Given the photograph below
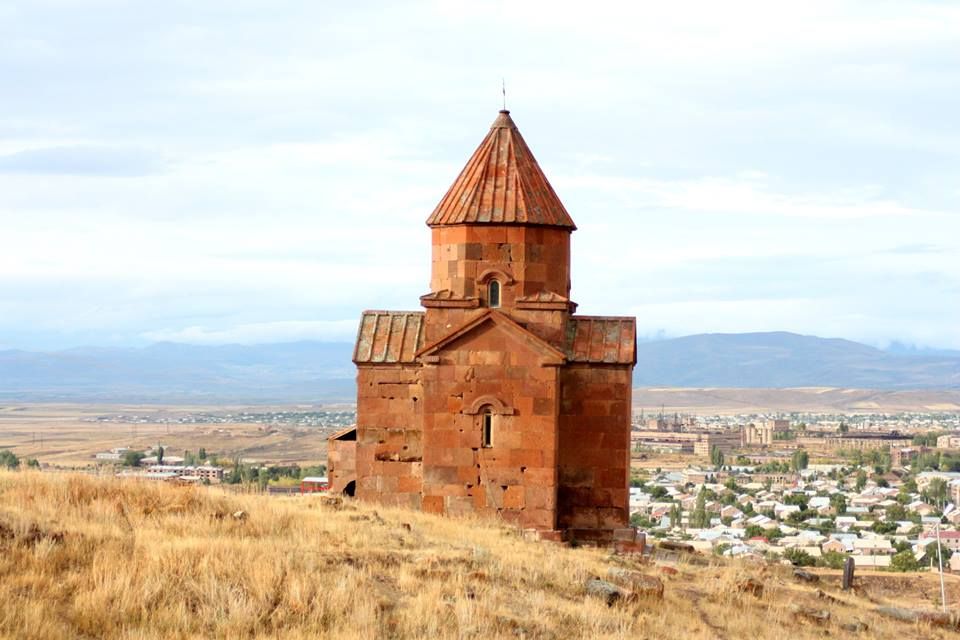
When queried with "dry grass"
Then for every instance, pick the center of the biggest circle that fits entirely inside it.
(66, 436)
(83, 557)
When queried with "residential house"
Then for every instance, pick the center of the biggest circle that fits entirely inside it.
(949, 539)
(833, 545)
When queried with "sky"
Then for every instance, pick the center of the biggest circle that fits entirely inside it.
(242, 172)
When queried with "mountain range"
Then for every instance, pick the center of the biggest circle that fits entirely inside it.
(323, 372)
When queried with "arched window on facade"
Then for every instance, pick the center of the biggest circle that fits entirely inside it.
(486, 426)
(493, 294)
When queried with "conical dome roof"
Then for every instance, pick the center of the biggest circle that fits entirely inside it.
(501, 184)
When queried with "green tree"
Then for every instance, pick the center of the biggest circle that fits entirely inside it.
(800, 460)
(716, 457)
(202, 454)
(754, 531)
(675, 516)
(799, 557)
(798, 499)
(884, 527)
(844, 428)
(839, 503)
(699, 518)
(160, 455)
(861, 480)
(904, 561)
(8, 459)
(657, 492)
(932, 553)
(901, 545)
(896, 513)
(928, 439)
(833, 560)
(936, 492)
(33, 463)
(132, 458)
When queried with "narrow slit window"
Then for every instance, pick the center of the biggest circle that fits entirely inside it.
(493, 294)
(487, 426)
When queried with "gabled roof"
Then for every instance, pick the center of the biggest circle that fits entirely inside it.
(501, 184)
(546, 300)
(388, 337)
(598, 339)
(447, 298)
(550, 354)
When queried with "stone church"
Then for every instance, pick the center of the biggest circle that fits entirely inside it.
(497, 398)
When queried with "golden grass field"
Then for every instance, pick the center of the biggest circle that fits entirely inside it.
(66, 435)
(87, 557)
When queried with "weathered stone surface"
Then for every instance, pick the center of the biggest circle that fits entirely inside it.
(805, 576)
(826, 596)
(639, 583)
(672, 545)
(816, 616)
(606, 591)
(855, 626)
(848, 571)
(936, 618)
(630, 548)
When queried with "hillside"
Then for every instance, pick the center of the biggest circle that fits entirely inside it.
(323, 372)
(780, 359)
(82, 557)
(305, 371)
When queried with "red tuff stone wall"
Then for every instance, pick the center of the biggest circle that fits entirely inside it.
(594, 448)
(341, 463)
(538, 259)
(516, 477)
(389, 436)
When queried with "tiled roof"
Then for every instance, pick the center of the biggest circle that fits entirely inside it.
(543, 296)
(602, 339)
(388, 337)
(501, 184)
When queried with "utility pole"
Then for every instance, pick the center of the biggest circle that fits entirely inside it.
(943, 591)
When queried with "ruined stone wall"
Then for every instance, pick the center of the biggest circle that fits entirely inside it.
(389, 435)
(594, 448)
(341, 463)
(516, 476)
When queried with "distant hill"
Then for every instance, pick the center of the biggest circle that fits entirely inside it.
(780, 359)
(170, 372)
(318, 371)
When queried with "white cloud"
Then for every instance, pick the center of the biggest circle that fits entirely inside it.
(261, 333)
(303, 146)
(745, 194)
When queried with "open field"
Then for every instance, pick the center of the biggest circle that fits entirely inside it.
(69, 435)
(85, 557)
(720, 401)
